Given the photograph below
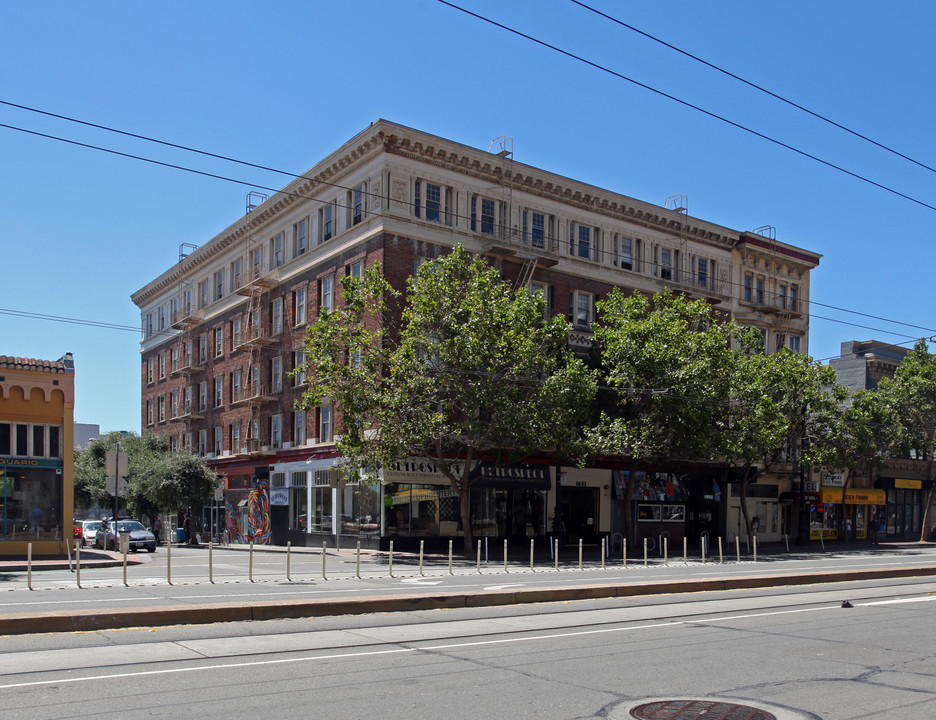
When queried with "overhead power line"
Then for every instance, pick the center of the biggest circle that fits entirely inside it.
(760, 88)
(687, 104)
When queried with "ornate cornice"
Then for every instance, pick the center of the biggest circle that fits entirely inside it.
(530, 180)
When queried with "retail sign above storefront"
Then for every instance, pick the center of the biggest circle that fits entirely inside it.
(418, 470)
(854, 496)
(29, 462)
(833, 480)
(908, 484)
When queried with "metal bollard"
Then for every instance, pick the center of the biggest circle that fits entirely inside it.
(250, 563)
(358, 566)
(391, 558)
(665, 551)
(505, 556)
(531, 556)
(288, 557)
(721, 552)
(169, 561)
(124, 543)
(602, 555)
(421, 542)
(556, 554)
(211, 562)
(580, 553)
(624, 551)
(78, 565)
(324, 555)
(645, 552)
(29, 566)
(451, 572)
(755, 548)
(479, 556)
(685, 551)
(737, 544)
(702, 541)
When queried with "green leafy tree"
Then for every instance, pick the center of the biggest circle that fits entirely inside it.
(158, 479)
(911, 396)
(776, 401)
(669, 361)
(474, 371)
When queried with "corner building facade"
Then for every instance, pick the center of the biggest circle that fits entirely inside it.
(223, 329)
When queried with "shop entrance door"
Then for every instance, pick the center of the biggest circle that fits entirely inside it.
(580, 511)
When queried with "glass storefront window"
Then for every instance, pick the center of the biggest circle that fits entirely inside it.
(30, 504)
(360, 509)
(320, 519)
(298, 509)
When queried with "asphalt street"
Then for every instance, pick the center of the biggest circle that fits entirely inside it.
(792, 652)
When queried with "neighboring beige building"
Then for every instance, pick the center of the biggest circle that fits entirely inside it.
(223, 327)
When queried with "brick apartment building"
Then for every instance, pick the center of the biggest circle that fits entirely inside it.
(223, 329)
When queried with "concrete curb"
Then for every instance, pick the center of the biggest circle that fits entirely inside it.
(85, 620)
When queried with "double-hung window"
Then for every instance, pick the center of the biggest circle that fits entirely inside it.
(326, 222)
(299, 306)
(794, 341)
(299, 428)
(325, 423)
(299, 375)
(276, 316)
(432, 201)
(218, 284)
(759, 291)
(537, 227)
(665, 260)
(202, 294)
(237, 268)
(276, 431)
(702, 270)
(219, 340)
(218, 391)
(276, 251)
(235, 437)
(582, 239)
(327, 293)
(202, 396)
(276, 366)
(483, 216)
(300, 237)
(581, 308)
(357, 204)
(162, 408)
(162, 366)
(218, 440)
(627, 253)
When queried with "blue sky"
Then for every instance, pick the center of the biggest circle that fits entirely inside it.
(283, 84)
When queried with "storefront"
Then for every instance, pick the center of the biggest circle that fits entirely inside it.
(903, 513)
(506, 502)
(834, 513)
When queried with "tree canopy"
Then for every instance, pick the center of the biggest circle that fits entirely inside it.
(473, 371)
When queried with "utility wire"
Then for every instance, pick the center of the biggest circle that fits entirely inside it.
(554, 241)
(687, 104)
(755, 86)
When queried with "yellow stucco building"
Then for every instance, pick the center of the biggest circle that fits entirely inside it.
(37, 404)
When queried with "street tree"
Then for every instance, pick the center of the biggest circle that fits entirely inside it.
(158, 479)
(668, 360)
(911, 395)
(472, 372)
(776, 401)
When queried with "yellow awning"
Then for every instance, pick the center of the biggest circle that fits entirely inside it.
(853, 496)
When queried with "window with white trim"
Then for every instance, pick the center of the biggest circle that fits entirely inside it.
(218, 284)
(203, 395)
(299, 305)
(150, 370)
(235, 437)
(795, 342)
(276, 251)
(583, 241)
(299, 427)
(237, 269)
(202, 442)
(357, 204)
(299, 376)
(276, 316)
(276, 373)
(327, 293)
(218, 440)
(149, 411)
(581, 309)
(326, 215)
(161, 402)
(537, 228)
(276, 431)
(202, 294)
(300, 237)
(174, 405)
(236, 332)
(219, 340)
(545, 292)
(203, 348)
(325, 423)
(187, 441)
(627, 253)
(218, 391)
(665, 262)
(483, 214)
(432, 202)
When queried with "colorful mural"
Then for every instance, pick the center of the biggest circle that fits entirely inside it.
(259, 529)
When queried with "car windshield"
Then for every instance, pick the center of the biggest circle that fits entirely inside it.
(92, 526)
(129, 526)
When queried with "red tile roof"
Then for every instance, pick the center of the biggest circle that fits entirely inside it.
(18, 363)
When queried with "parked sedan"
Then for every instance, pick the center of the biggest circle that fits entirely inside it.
(139, 537)
(87, 531)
